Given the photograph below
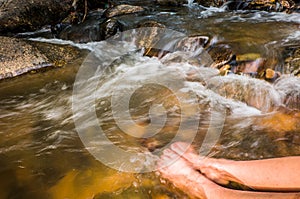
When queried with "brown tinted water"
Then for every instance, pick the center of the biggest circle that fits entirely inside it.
(42, 155)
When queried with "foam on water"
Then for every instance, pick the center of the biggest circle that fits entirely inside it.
(211, 11)
(294, 36)
(262, 16)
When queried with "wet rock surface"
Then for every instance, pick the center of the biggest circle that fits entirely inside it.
(19, 56)
(99, 24)
(221, 54)
(122, 10)
(292, 62)
(266, 5)
(270, 5)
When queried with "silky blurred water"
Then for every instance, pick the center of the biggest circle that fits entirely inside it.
(42, 156)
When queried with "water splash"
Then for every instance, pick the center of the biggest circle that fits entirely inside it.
(190, 3)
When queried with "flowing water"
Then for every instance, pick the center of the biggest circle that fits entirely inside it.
(45, 154)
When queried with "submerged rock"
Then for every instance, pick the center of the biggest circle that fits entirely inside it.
(19, 56)
(256, 93)
(24, 15)
(94, 180)
(289, 88)
(248, 67)
(193, 43)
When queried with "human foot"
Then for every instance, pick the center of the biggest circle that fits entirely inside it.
(212, 168)
(181, 173)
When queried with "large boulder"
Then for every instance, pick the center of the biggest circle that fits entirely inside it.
(122, 10)
(19, 56)
(30, 15)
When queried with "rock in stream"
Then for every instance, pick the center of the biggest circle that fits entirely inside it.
(18, 56)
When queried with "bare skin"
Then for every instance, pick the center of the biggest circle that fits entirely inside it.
(276, 174)
(184, 174)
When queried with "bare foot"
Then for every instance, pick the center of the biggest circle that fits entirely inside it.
(210, 167)
(181, 173)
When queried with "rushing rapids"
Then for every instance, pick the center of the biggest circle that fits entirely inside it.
(42, 154)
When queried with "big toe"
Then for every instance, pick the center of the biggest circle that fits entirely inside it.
(170, 163)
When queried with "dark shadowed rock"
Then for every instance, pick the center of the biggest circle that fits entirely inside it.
(221, 54)
(30, 15)
(215, 3)
(19, 56)
(91, 4)
(132, 2)
(172, 2)
(205, 3)
(109, 28)
(87, 31)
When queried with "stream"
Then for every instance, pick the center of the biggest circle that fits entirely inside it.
(50, 122)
